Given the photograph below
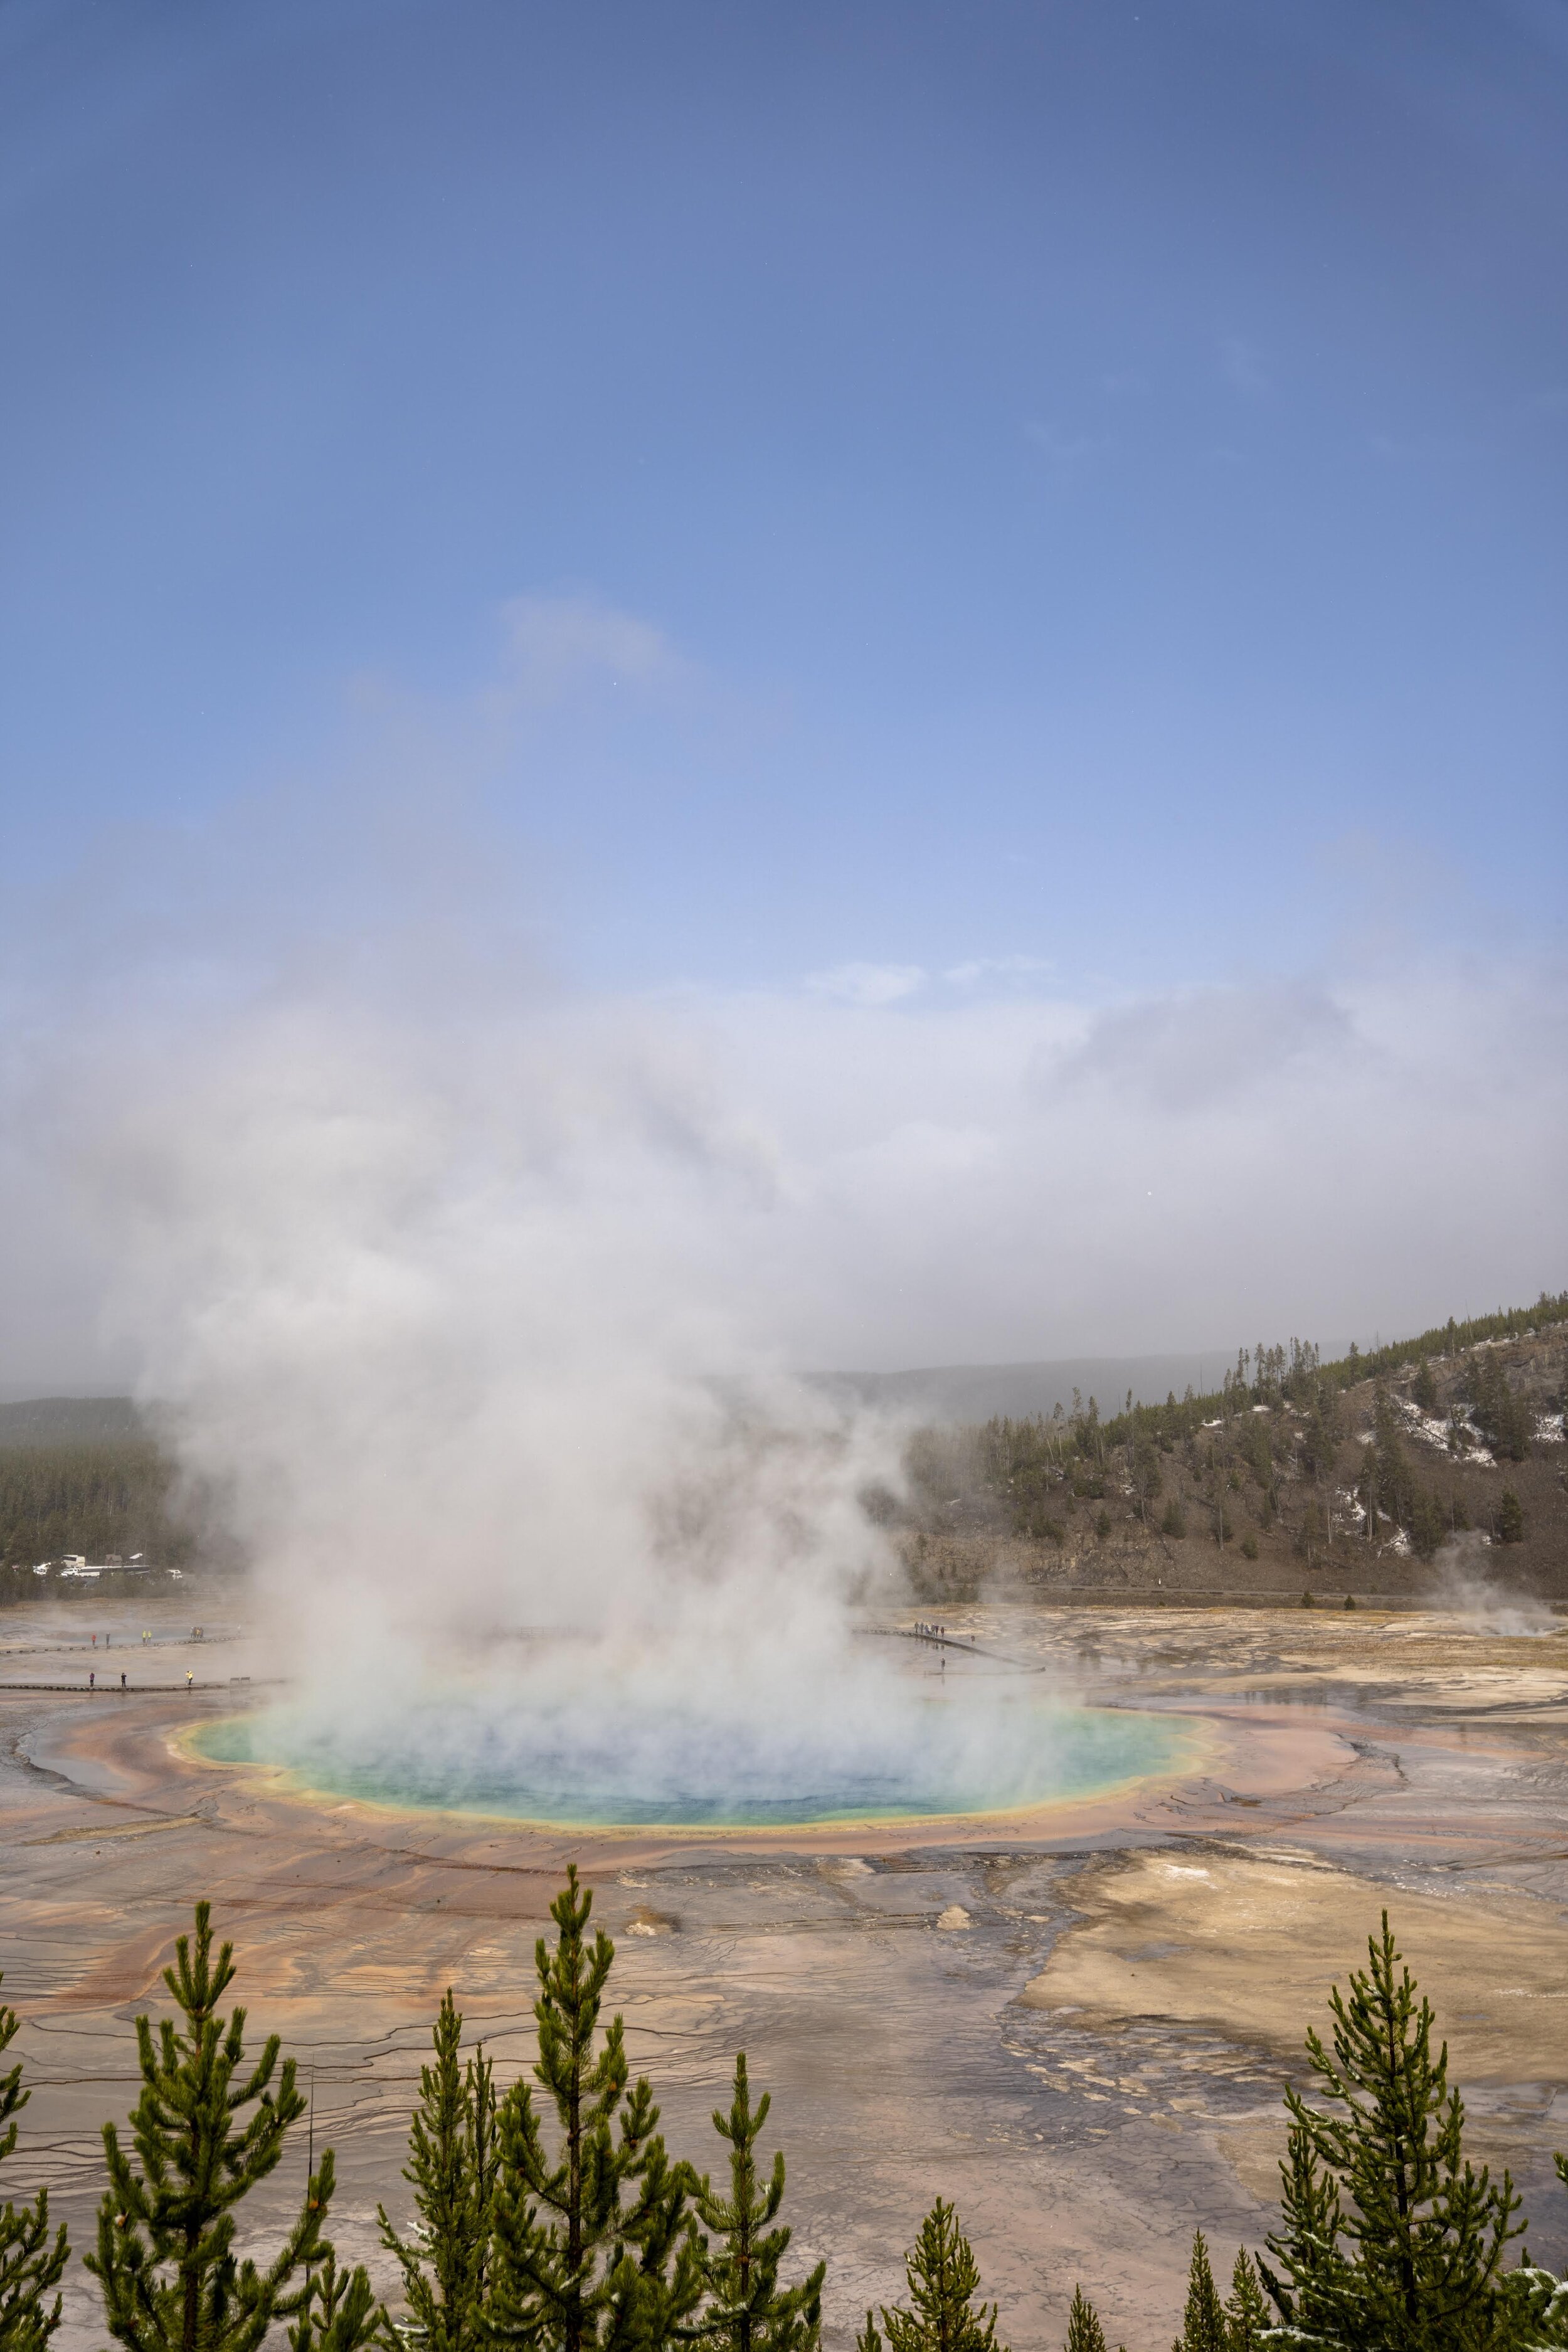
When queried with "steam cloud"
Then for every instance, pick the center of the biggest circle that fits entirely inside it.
(443, 1305)
(479, 1300)
(435, 1303)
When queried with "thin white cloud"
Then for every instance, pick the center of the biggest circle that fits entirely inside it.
(999, 1178)
(557, 647)
(981, 968)
(867, 984)
(1065, 450)
(1188, 1050)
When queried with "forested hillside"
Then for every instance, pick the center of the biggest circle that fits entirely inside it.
(103, 1499)
(1370, 1473)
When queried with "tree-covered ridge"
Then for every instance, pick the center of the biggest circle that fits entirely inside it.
(114, 1496)
(1371, 1450)
(1293, 1372)
(1451, 1338)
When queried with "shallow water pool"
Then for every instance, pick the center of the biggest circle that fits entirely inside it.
(620, 1763)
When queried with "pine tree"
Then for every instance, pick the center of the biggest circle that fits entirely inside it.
(1319, 1448)
(170, 2279)
(1503, 1417)
(1509, 1518)
(1390, 1471)
(747, 2308)
(1247, 2313)
(451, 2167)
(596, 2248)
(1203, 2325)
(31, 2262)
(1549, 2294)
(943, 2279)
(1085, 2333)
(1308, 2246)
(1366, 1487)
(1427, 1523)
(1389, 2237)
(339, 2311)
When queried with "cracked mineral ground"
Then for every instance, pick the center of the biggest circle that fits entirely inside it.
(1076, 2024)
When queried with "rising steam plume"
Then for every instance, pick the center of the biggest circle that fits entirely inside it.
(476, 1299)
(440, 1303)
(433, 1303)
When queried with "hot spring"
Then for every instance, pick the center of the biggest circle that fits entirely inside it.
(872, 1749)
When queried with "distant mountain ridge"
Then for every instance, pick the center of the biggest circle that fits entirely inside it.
(968, 1392)
(938, 1393)
(933, 1392)
(70, 1420)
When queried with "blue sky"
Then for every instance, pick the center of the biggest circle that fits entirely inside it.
(890, 677)
(1091, 478)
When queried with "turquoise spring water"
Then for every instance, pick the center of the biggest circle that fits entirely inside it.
(645, 1766)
